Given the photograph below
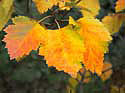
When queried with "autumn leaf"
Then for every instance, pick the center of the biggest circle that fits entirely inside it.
(89, 8)
(96, 38)
(44, 5)
(120, 5)
(64, 50)
(107, 71)
(22, 37)
(113, 22)
(6, 8)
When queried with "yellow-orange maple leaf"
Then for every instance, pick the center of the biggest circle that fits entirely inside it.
(22, 37)
(6, 8)
(44, 5)
(120, 5)
(64, 50)
(113, 22)
(96, 38)
(89, 8)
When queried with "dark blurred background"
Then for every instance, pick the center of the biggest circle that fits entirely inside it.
(32, 75)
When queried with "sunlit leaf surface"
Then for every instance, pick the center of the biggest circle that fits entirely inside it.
(96, 38)
(89, 8)
(64, 50)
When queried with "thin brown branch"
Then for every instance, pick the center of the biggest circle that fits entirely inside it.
(57, 24)
(43, 19)
(78, 1)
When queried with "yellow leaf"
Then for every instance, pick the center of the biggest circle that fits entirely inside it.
(64, 50)
(113, 22)
(120, 5)
(6, 8)
(23, 37)
(89, 8)
(44, 5)
(106, 75)
(96, 38)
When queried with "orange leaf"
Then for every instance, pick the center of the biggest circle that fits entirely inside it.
(120, 5)
(96, 38)
(22, 37)
(64, 50)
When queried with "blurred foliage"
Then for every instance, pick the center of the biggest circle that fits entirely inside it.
(32, 75)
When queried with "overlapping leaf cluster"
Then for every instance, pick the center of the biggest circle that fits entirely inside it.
(80, 42)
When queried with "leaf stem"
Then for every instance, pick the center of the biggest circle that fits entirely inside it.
(43, 19)
(57, 24)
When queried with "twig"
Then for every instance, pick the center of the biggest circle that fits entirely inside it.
(65, 20)
(57, 24)
(43, 19)
(78, 1)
